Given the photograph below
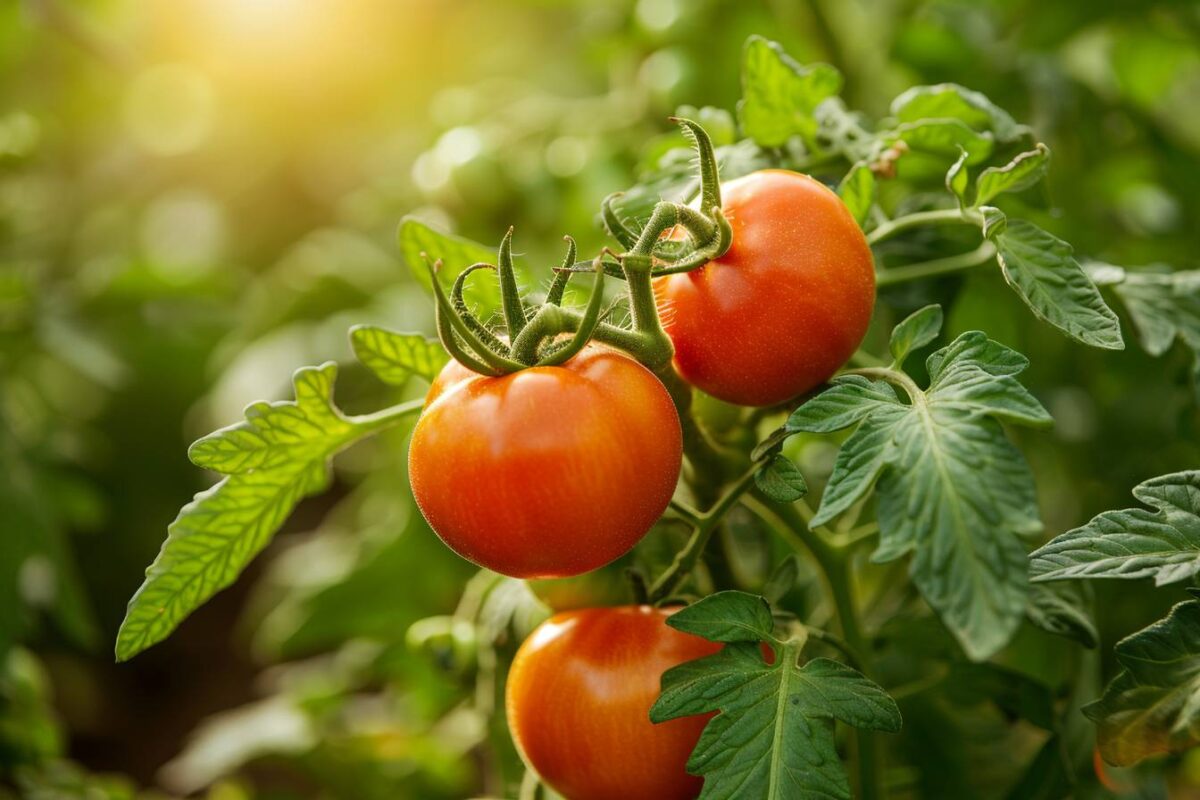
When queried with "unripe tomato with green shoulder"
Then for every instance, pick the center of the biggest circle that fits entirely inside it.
(550, 471)
(788, 303)
(578, 700)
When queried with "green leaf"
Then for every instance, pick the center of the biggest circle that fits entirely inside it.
(917, 330)
(942, 137)
(951, 488)
(1061, 609)
(951, 101)
(209, 544)
(849, 400)
(859, 462)
(1133, 543)
(995, 221)
(958, 179)
(1164, 307)
(729, 616)
(780, 480)
(956, 492)
(773, 738)
(1017, 175)
(1153, 705)
(772, 441)
(278, 434)
(782, 580)
(1041, 270)
(779, 96)
(857, 191)
(456, 254)
(395, 357)
(274, 459)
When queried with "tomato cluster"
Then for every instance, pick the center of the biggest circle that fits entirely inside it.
(557, 470)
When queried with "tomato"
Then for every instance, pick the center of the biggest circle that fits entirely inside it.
(550, 471)
(786, 306)
(578, 700)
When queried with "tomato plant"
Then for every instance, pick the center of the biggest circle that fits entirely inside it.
(845, 572)
(548, 472)
(786, 306)
(578, 702)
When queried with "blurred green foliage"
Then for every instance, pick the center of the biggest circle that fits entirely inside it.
(198, 195)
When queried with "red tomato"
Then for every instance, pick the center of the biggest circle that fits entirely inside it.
(786, 306)
(579, 696)
(550, 471)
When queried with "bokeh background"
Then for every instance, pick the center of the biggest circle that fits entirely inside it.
(198, 196)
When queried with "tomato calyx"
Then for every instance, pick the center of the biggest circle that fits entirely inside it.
(549, 334)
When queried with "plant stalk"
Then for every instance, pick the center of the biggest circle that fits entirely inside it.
(938, 266)
(792, 526)
(941, 216)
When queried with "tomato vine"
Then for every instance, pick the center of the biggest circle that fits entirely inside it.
(553, 438)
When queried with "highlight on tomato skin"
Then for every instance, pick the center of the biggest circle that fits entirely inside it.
(578, 700)
(548, 472)
(786, 306)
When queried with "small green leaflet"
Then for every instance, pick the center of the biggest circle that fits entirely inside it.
(951, 101)
(456, 254)
(958, 179)
(1165, 306)
(1134, 543)
(780, 480)
(857, 191)
(1041, 270)
(1062, 609)
(773, 736)
(275, 458)
(917, 330)
(1017, 175)
(942, 137)
(1153, 705)
(952, 489)
(395, 357)
(779, 96)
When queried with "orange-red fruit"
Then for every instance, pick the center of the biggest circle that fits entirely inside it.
(579, 696)
(550, 471)
(786, 306)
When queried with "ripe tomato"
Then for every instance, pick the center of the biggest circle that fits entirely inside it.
(786, 306)
(578, 700)
(550, 471)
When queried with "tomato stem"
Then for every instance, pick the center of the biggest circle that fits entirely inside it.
(704, 525)
(387, 417)
(529, 785)
(791, 523)
(938, 266)
(941, 216)
(894, 377)
(686, 512)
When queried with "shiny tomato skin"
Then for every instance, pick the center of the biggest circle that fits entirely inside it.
(786, 306)
(578, 701)
(550, 471)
